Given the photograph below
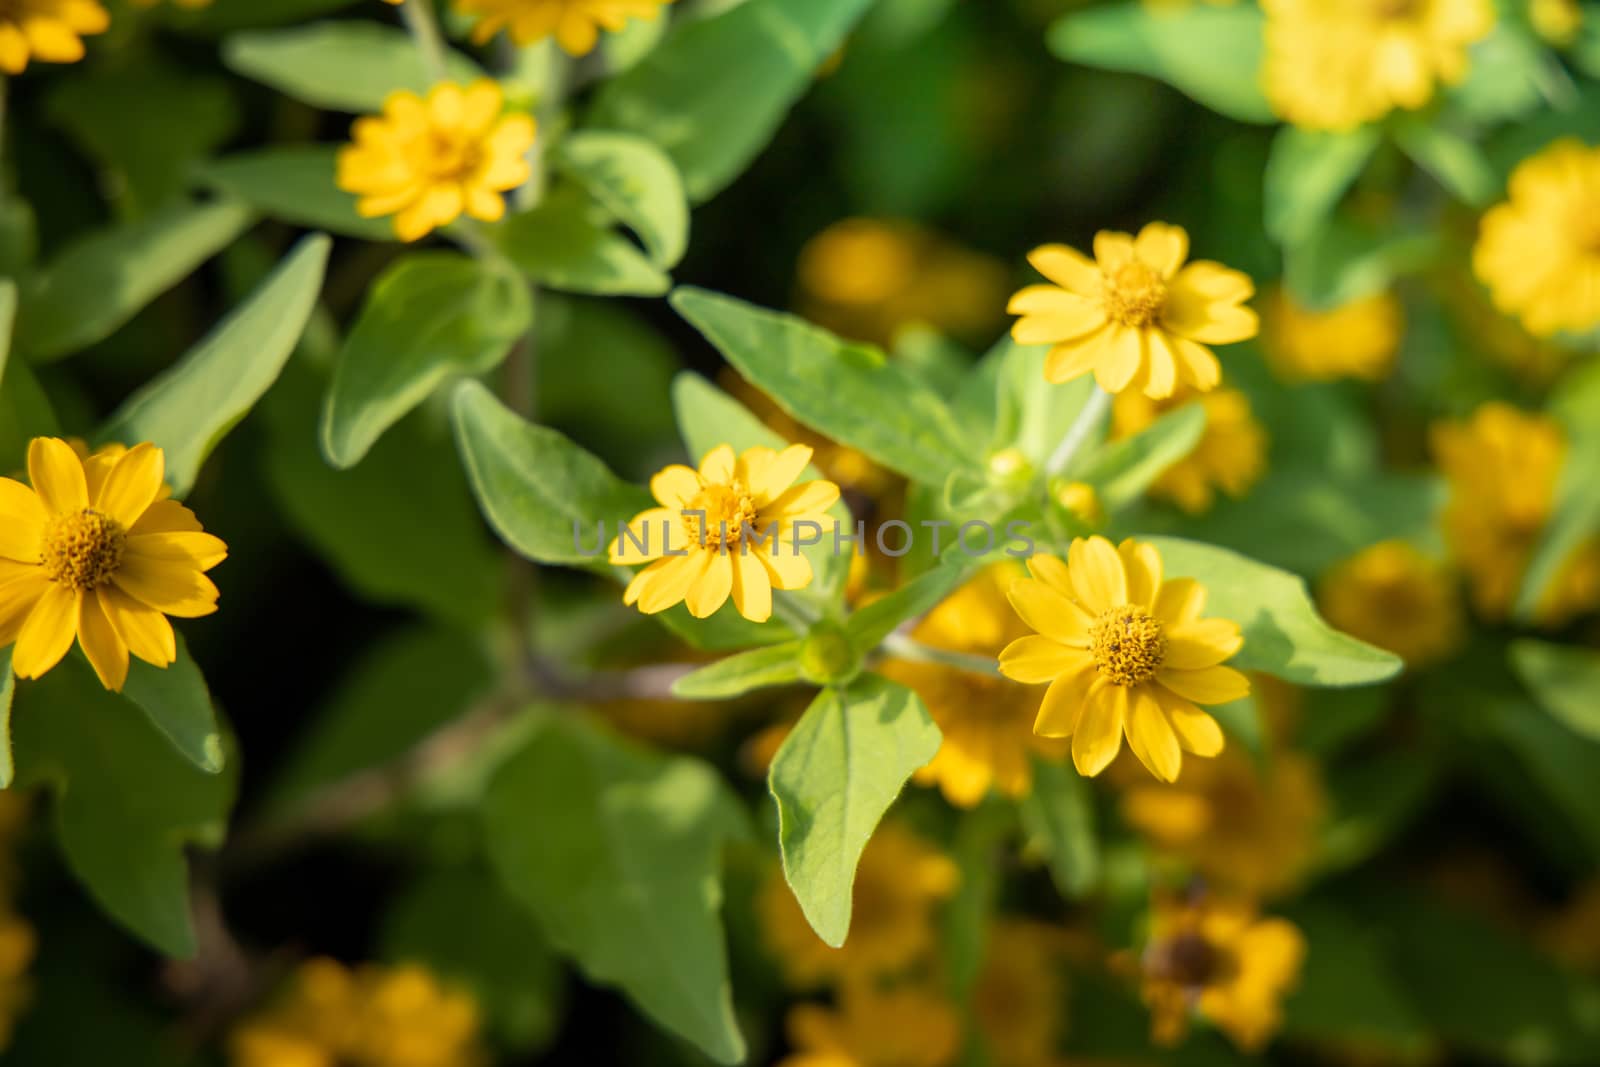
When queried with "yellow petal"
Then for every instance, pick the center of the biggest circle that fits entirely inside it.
(171, 587)
(1142, 564)
(101, 643)
(132, 485)
(1162, 377)
(1151, 736)
(675, 486)
(1197, 365)
(1209, 685)
(47, 633)
(1050, 613)
(650, 535)
(1162, 247)
(808, 499)
(57, 475)
(1073, 359)
(145, 631)
(1098, 736)
(717, 466)
(22, 519)
(1062, 708)
(710, 591)
(1180, 601)
(786, 568)
(19, 593)
(670, 581)
(200, 550)
(767, 473)
(165, 516)
(1069, 268)
(1052, 571)
(752, 587)
(1035, 659)
(1097, 574)
(1122, 359)
(1197, 731)
(1112, 250)
(1201, 643)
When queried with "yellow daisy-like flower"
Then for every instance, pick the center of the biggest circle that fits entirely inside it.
(1502, 466)
(1393, 596)
(1251, 829)
(1124, 652)
(1355, 340)
(875, 1028)
(94, 550)
(900, 882)
(575, 24)
(1539, 252)
(50, 31)
(369, 1017)
(728, 528)
(1136, 316)
(1335, 64)
(1218, 959)
(1231, 454)
(987, 722)
(1557, 21)
(427, 160)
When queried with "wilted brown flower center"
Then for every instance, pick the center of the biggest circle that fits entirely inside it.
(1127, 644)
(82, 550)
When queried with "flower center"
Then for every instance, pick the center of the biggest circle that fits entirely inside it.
(1127, 645)
(1134, 295)
(83, 549)
(1187, 959)
(1397, 10)
(725, 510)
(444, 156)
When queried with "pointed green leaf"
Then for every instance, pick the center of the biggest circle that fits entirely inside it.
(339, 66)
(1455, 162)
(429, 316)
(545, 496)
(616, 853)
(733, 676)
(847, 391)
(178, 703)
(1028, 412)
(294, 184)
(99, 282)
(1564, 680)
(833, 778)
(191, 406)
(877, 620)
(635, 181)
(1307, 175)
(1058, 817)
(1123, 469)
(566, 244)
(1283, 634)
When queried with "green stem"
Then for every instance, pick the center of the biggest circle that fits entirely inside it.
(424, 29)
(1078, 434)
(902, 647)
(797, 614)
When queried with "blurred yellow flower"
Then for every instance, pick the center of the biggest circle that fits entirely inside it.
(1230, 456)
(1124, 652)
(575, 24)
(1019, 1000)
(50, 31)
(1217, 959)
(1250, 829)
(875, 1028)
(726, 529)
(370, 1017)
(18, 944)
(1502, 466)
(95, 551)
(1355, 340)
(1539, 251)
(1557, 21)
(1335, 64)
(900, 882)
(867, 278)
(1135, 316)
(427, 160)
(1393, 596)
(191, 5)
(987, 722)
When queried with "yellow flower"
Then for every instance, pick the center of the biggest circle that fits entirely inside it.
(1557, 21)
(575, 24)
(1355, 340)
(728, 528)
(95, 551)
(425, 161)
(47, 30)
(1020, 997)
(900, 881)
(17, 946)
(1335, 64)
(190, 5)
(1502, 466)
(874, 1028)
(1230, 456)
(1123, 651)
(1393, 596)
(1539, 252)
(370, 1017)
(1248, 828)
(1136, 316)
(1218, 959)
(987, 722)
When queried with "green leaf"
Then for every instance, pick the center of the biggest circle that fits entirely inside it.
(717, 89)
(1344, 261)
(126, 803)
(1457, 163)
(1574, 518)
(339, 66)
(191, 406)
(733, 676)
(546, 497)
(428, 316)
(833, 778)
(1347, 990)
(868, 627)
(1564, 680)
(1212, 55)
(1123, 469)
(1058, 818)
(1283, 634)
(616, 853)
(99, 282)
(465, 928)
(295, 185)
(1030, 413)
(1308, 174)
(637, 183)
(178, 704)
(846, 391)
(1374, 801)
(565, 244)
(24, 410)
